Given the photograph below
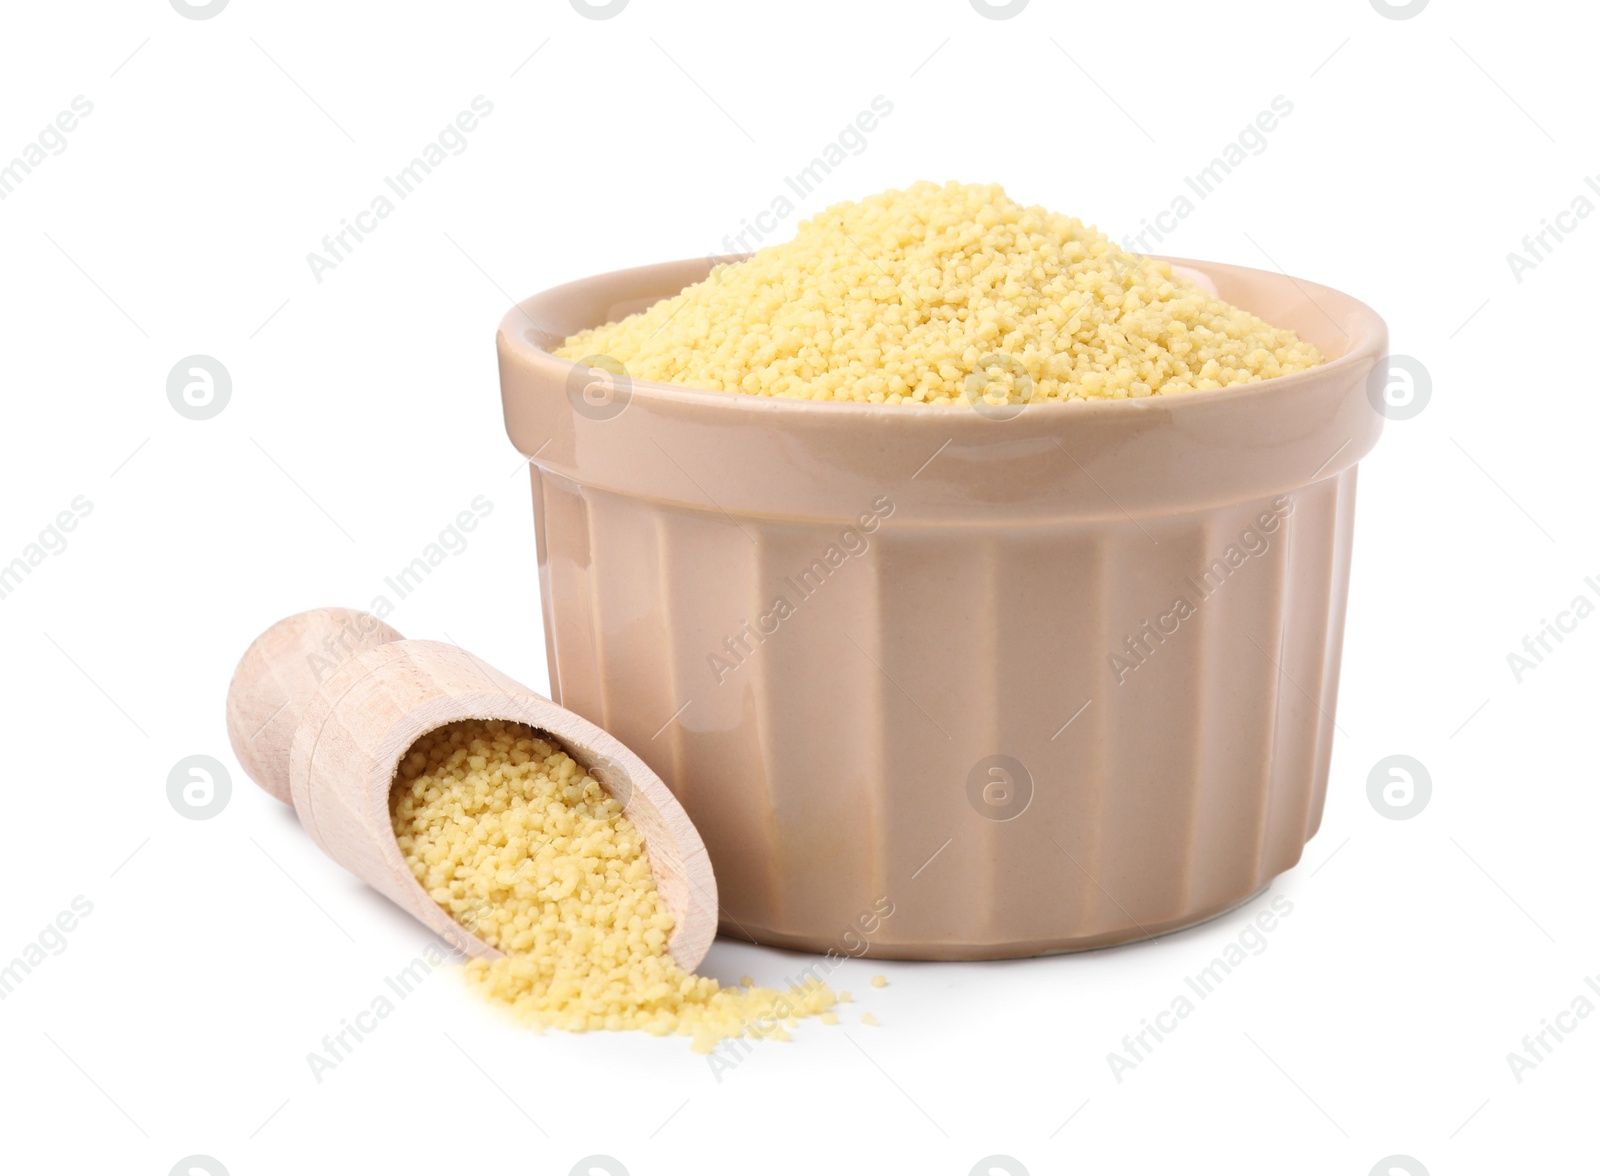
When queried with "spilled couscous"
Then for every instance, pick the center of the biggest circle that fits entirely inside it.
(945, 294)
(523, 848)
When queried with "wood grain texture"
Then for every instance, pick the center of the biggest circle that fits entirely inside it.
(351, 728)
(280, 671)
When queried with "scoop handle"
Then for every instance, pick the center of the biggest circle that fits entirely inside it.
(280, 674)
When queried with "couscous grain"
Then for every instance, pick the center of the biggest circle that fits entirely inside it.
(517, 843)
(943, 295)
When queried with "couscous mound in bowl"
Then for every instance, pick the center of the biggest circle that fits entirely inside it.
(943, 294)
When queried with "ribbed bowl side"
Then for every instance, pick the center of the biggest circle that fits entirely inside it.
(832, 704)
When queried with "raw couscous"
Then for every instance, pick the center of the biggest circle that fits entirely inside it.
(517, 843)
(942, 295)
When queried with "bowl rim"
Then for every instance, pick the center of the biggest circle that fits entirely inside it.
(1368, 336)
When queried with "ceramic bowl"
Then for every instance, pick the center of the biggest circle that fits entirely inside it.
(1033, 679)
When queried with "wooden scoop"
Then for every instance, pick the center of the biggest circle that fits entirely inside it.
(325, 703)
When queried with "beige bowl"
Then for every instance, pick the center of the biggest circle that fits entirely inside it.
(922, 660)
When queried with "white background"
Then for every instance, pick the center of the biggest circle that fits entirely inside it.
(365, 414)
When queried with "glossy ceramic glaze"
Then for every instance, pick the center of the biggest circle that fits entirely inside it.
(923, 658)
